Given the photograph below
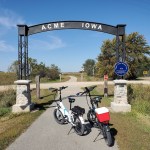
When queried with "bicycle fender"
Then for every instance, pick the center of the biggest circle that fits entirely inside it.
(107, 128)
(81, 119)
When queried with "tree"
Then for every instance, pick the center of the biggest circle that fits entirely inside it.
(53, 72)
(13, 67)
(137, 56)
(89, 66)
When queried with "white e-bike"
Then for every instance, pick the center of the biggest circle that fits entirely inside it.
(74, 116)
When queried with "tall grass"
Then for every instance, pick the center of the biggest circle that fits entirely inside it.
(7, 78)
(7, 99)
(139, 98)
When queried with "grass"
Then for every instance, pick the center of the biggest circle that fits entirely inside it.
(7, 78)
(63, 79)
(132, 133)
(12, 125)
(131, 130)
(139, 98)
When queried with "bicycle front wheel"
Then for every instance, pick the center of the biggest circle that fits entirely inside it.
(58, 116)
(79, 127)
(108, 137)
(91, 117)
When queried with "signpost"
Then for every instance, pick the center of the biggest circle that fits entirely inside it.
(105, 85)
(121, 68)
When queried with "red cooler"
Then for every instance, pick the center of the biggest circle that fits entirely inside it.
(102, 114)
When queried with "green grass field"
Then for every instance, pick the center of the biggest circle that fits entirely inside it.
(131, 130)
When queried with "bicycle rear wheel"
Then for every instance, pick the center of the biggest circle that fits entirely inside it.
(79, 128)
(58, 116)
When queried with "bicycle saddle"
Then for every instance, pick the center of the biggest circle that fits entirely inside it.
(71, 100)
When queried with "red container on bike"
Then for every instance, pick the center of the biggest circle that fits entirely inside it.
(102, 114)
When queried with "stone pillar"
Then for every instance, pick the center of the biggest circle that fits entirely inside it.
(120, 103)
(23, 97)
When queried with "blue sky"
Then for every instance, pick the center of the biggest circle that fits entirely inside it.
(68, 49)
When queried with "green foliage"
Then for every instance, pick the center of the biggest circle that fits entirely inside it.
(139, 98)
(4, 111)
(89, 66)
(7, 98)
(137, 52)
(53, 72)
(130, 93)
(36, 68)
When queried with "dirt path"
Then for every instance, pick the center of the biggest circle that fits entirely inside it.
(73, 83)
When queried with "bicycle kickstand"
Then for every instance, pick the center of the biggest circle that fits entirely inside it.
(97, 136)
(70, 130)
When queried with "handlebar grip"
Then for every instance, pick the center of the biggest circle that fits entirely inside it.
(53, 89)
(78, 94)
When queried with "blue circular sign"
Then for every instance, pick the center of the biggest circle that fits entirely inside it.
(121, 68)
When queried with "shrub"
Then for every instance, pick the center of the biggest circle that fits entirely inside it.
(7, 98)
(4, 111)
(130, 93)
(139, 98)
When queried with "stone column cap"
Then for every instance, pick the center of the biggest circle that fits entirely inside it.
(22, 82)
(121, 81)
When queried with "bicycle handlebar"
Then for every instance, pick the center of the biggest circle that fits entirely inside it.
(88, 89)
(59, 89)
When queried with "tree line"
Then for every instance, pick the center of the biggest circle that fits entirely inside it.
(137, 58)
(51, 72)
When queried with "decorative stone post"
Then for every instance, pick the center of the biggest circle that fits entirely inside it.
(120, 103)
(23, 97)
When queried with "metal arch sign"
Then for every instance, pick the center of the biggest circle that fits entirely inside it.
(84, 25)
(121, 68)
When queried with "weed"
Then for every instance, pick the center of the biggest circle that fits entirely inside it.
(7, 98)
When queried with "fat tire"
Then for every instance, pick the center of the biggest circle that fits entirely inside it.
(89, 114)
(108, 138)
(59, 119)
(79, 128)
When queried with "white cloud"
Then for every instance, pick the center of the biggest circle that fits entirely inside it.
(10, 19)
(51, 43)
(5, 47)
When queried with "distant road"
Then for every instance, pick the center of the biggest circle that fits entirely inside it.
(73, 83)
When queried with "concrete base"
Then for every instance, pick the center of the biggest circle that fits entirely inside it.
(120, 107)
(22, 108)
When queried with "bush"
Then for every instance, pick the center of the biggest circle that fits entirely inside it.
(139, 98)
(7, 98)
(130, 93)
(4, 111)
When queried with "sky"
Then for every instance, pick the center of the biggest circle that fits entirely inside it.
(69, 48)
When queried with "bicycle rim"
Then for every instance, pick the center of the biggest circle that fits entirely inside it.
(79, 127)
(58, 116)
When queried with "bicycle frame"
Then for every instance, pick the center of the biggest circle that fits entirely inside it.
(65, 112)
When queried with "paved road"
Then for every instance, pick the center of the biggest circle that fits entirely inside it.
(46, 134)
